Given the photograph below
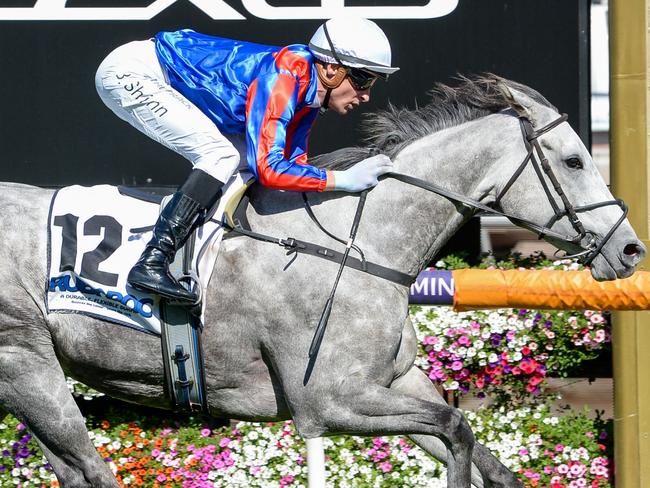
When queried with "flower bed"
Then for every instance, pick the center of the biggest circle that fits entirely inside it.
(506, 354)
(546, 450)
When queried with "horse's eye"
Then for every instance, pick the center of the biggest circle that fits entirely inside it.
(574, 163)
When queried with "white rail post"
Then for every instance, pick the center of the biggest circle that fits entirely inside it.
(315, 463)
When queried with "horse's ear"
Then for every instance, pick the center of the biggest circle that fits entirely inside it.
(519, 102)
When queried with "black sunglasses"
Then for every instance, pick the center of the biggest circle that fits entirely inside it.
(362, 79)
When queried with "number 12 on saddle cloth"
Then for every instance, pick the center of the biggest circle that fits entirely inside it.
(96, 234)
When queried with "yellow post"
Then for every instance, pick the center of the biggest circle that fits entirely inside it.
(629, 176)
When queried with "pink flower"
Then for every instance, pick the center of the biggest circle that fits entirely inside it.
(579, 483)
(386, 467)
(155, 453)
(378, 442)
(464, 340)
(577, 470)
(456, 366)
(559, 448)
(205, 432)
(161, 478)
(255, 470)
(224, 442)
(597, 319)
(562, 469)
(286, 480)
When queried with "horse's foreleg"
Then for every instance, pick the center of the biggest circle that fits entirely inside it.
(33, 388)
(369, 409)
(488, 471)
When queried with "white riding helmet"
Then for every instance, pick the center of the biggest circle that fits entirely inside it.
(357, 43)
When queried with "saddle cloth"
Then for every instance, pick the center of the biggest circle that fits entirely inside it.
(96, 234)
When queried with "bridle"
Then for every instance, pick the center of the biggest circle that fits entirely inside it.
(535, 156)
(540, 163)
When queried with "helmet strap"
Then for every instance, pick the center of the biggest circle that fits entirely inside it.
(326, 101)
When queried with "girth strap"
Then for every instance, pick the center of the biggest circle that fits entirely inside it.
(297, 246)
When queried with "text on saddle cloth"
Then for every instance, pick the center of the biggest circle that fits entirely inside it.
(96, 234)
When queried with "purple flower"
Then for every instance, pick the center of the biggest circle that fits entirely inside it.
(496, 339)
(23, 453)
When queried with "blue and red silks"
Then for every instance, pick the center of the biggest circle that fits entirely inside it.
(267, 92)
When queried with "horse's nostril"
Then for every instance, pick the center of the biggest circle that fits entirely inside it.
(632, 250)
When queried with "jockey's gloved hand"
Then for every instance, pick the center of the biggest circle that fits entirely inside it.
(362, 175)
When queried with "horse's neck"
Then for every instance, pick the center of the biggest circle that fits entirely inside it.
(410, 225)
(402, 226)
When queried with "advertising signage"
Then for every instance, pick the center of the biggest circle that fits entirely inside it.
(55, 131)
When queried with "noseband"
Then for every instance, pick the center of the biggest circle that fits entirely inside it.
(535, 156)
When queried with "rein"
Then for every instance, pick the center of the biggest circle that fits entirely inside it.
(541, 167)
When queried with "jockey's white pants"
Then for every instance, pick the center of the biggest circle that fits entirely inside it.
(131, 82)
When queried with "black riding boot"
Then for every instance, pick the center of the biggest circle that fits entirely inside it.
(177, 220)
(151, 272)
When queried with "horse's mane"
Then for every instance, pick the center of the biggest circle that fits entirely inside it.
(389, 131)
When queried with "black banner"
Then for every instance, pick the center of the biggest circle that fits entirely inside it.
(54, 129)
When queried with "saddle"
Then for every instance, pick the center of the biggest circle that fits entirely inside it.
(96, 234)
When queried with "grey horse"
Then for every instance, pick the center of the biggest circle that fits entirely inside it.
(263, 305)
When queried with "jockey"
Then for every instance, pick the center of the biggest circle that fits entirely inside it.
(211, 99)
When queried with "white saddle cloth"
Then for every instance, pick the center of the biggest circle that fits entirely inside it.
(96, 235)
